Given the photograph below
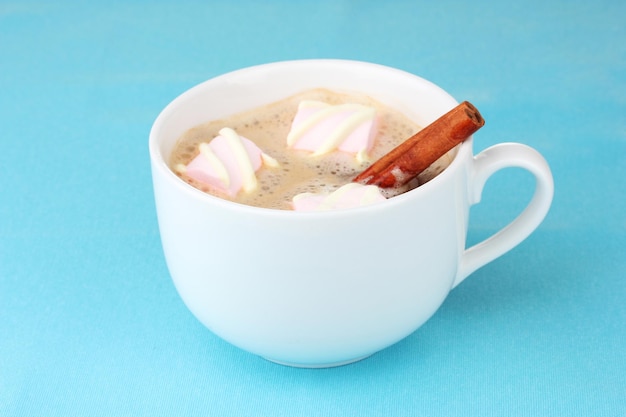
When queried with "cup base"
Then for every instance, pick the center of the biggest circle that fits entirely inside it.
(317, 365)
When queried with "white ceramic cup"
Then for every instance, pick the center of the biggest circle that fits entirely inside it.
(317, 289)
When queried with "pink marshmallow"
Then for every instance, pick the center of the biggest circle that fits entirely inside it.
(321, 128)
(348, 196)
(228, 163)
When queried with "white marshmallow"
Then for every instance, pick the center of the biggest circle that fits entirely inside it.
(321, 128)
(348, 196)
(228, 163)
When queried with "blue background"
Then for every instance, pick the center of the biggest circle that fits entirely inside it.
(90, 323)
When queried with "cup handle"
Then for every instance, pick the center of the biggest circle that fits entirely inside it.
(485, 164)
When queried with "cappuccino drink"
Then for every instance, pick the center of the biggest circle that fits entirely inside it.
(297, 171)
(330, 287)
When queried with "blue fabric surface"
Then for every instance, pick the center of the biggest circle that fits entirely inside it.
(90, 323)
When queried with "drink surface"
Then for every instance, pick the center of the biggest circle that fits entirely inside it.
(298, 171)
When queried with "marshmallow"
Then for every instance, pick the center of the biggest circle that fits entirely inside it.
(347, 196)
(228, 163)
(321, 128)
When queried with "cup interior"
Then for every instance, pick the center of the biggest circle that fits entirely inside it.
(245, 89)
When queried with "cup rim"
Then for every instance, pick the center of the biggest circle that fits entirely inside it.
(159, 163)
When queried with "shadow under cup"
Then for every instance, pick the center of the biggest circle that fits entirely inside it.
(311, 289)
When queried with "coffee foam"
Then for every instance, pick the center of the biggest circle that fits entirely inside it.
(299, 172)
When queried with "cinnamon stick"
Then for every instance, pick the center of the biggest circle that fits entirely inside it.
(417, 153)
